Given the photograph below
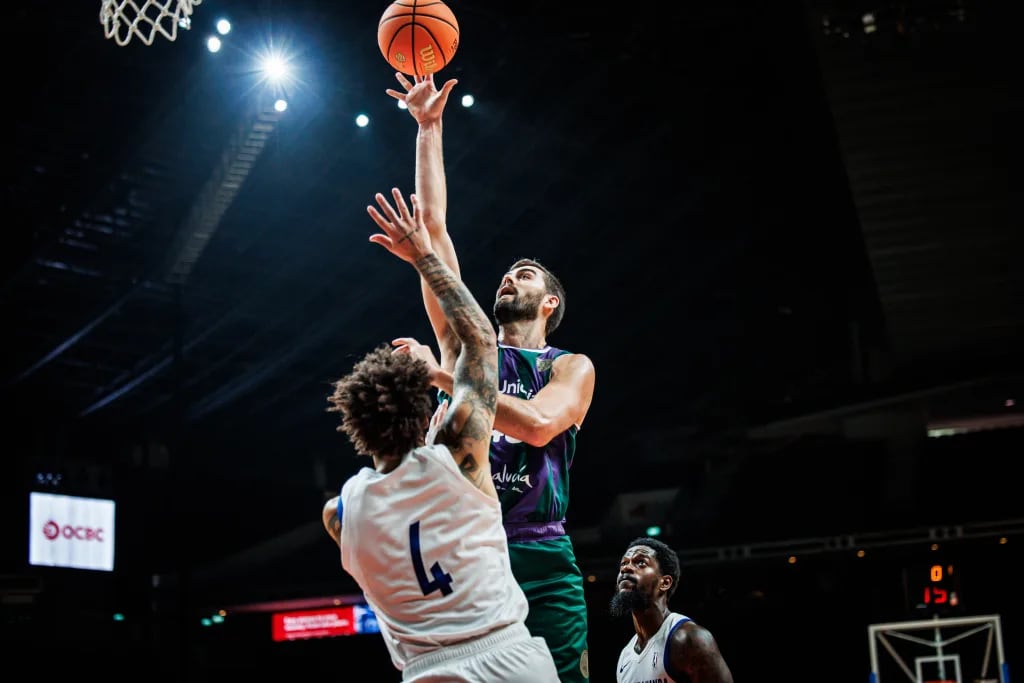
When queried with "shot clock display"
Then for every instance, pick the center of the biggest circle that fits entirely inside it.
(933, 588)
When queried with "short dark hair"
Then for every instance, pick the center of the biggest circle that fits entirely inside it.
(668, 560)
(554, 286)
(385, 403)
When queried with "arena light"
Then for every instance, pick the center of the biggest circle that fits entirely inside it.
(275, 68)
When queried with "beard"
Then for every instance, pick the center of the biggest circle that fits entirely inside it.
(624, 603)
(518, 309)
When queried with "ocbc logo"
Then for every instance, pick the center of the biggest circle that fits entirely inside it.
(52, 531)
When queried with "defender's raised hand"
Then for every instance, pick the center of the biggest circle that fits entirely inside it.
(404, 233)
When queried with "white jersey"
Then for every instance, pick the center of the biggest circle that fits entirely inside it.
(429, 551)
(652, 664)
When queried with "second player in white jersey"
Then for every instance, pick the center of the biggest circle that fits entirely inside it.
(666, 647)
(651, 664)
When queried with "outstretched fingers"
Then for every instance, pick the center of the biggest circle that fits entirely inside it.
(447, 87)
(383, 239)
(397, 224)
(382, 222)
(403, 210)
(403, 80)
(406, 87)
(385, 205)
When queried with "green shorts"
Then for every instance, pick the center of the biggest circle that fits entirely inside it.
(553, 584)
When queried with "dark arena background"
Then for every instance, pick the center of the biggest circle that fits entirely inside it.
(791, 246)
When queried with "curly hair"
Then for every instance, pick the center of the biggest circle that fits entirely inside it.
(668, 560)
(385, 403)
(554, 286)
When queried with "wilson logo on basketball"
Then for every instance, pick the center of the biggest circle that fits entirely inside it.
(429, 59)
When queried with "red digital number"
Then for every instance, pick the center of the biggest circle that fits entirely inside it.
(936, 596)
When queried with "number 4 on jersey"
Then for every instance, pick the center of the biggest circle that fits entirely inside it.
(442, 581)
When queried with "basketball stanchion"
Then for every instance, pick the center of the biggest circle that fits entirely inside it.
(124, 19)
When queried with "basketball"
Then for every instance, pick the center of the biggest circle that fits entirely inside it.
(418, 37)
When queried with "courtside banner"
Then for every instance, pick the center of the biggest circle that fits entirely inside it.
(70, 531)
(323, 623)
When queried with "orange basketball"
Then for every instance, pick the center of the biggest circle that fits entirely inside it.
(418, 37)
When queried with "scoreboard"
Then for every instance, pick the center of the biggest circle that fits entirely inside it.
(933, 588)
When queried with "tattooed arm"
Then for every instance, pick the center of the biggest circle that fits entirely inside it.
(693, 650)
(466, 428)
(332, 523)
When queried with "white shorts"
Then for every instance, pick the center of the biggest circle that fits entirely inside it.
(510, 655)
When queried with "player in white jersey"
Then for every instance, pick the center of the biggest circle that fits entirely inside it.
(421, 531)
(667, 647)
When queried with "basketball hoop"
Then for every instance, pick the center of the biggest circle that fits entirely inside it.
(143, 19)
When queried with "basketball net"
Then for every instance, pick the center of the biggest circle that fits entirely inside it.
(123, 19)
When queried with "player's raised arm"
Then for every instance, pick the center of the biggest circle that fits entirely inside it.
(426, 103)
(466, 428)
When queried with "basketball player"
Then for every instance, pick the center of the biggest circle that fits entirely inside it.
(421, 530)
(668, 646)
(545, 395)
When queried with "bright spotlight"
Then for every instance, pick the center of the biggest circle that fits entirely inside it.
(402, 105)
(275, 68)
(362, 120)
(213, 44)
(223, 27)
(467, 101)
(281, 105)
